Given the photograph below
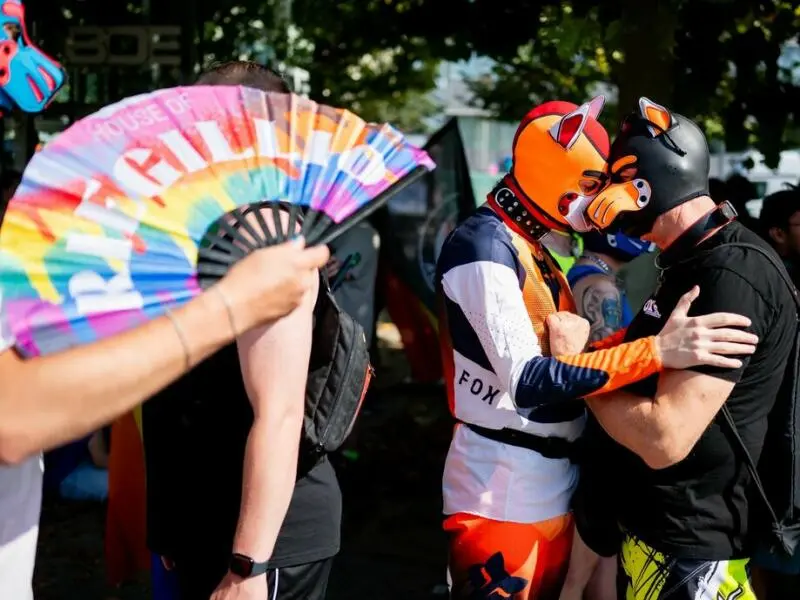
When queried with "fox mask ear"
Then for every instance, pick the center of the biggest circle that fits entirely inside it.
(657, 115)
(569, 128)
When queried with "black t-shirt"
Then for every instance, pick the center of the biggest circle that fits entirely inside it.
(195, 433)
(698, 508)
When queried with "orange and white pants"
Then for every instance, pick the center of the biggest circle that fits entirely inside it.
(492, 560)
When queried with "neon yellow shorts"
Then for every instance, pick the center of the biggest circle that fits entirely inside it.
(646, 574)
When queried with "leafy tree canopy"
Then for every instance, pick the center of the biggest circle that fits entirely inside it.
(377, 57)
(716, 61)
(713, 60)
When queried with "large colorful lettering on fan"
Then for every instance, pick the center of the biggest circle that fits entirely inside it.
(105, 227)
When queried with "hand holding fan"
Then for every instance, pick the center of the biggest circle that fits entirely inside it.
(111, 218)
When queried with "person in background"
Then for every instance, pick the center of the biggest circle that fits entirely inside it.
(599, 294)
(352, 272)
(779, 224)
(600, 299)
(774, 577)
(79, 470)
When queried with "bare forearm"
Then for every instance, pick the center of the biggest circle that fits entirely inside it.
(633, 421)
(270, 471)
(48, 401)
(582, 564)
(661, 430)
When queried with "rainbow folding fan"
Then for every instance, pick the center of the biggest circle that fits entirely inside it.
(136, 208)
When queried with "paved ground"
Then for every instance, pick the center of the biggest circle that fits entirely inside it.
(392, 544)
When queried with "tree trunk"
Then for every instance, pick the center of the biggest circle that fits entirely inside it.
(647, 42)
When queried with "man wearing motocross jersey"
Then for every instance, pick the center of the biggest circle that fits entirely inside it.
(509, 474)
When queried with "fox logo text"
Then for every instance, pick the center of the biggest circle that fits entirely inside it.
(477, 387)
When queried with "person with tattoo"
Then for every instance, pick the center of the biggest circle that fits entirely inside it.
(668, 471)
(600, 298)
(598, 292)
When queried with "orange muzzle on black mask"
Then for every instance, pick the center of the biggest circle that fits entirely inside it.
(658, 161)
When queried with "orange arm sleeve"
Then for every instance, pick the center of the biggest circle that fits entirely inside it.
(615, 339)
(621, 365)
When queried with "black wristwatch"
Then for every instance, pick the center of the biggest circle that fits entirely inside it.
(245, 567)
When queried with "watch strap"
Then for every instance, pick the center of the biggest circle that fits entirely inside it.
(259, 568)
(246, 567)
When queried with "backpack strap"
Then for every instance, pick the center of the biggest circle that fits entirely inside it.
(324, 294)
(751, 466)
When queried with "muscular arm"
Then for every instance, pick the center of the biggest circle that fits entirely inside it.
(661, 420)
(663, 430)
(489, 296)
(48, 401)
(274, 362)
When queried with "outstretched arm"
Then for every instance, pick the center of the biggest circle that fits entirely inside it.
(47, 401)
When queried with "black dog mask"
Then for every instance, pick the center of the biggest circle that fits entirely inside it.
(658, 161)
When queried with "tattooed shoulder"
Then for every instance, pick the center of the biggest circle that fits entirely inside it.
(601, 305)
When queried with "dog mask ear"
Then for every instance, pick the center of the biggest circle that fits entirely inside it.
(655, 114)
(569, 128)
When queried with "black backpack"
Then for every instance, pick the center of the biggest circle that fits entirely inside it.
(339, 375)
(777, 476)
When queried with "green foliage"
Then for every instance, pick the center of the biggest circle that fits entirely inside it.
(379, 58)
(565, 59)
(712, 60)
(715, 61)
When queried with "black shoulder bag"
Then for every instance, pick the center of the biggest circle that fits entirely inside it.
(339, 374)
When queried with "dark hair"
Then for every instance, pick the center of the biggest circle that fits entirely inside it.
(777, 209)
(246, 73)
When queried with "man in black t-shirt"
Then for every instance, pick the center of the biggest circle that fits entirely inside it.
(663, 465)
(224, 488)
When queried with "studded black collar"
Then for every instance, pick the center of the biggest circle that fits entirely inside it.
(505, 200)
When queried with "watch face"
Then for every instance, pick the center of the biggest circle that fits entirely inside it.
(241, 565)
